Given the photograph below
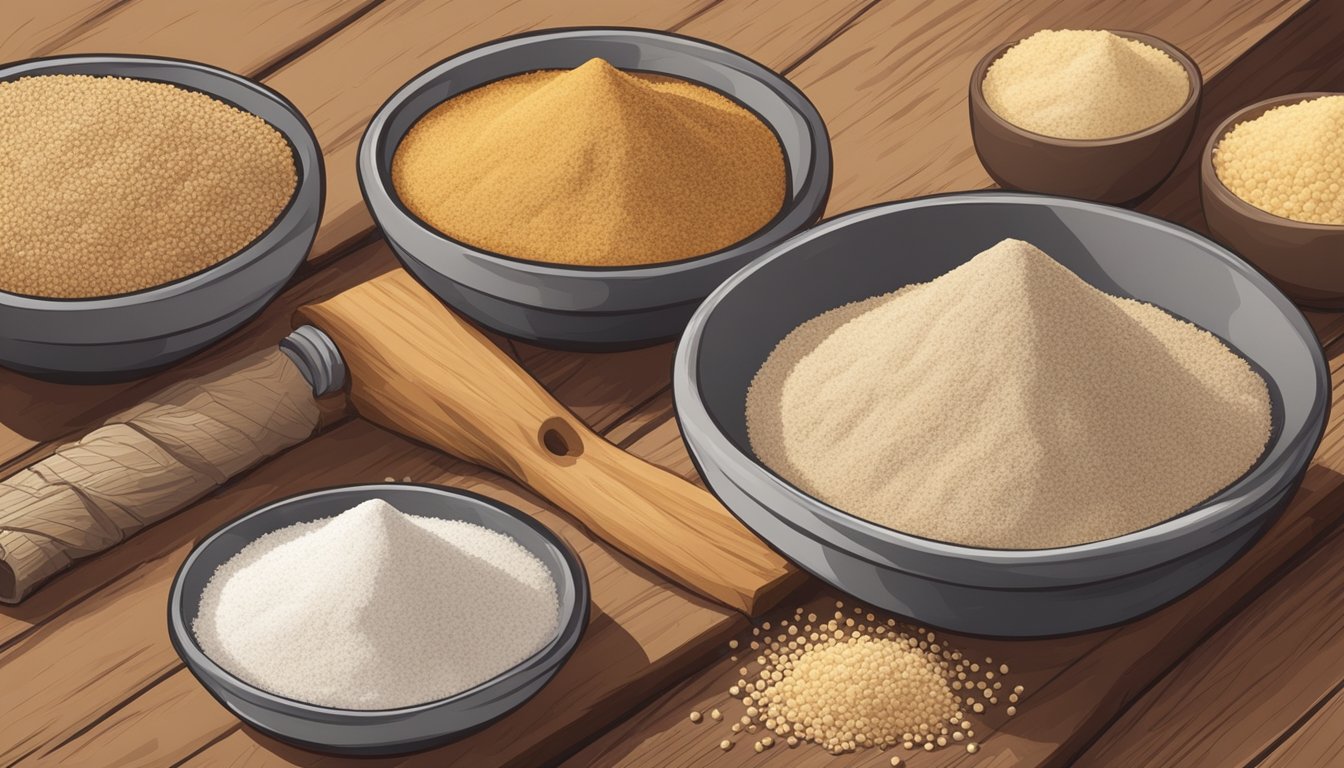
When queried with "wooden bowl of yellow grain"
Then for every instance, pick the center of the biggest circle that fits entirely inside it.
(1111, 169)
(115, 272)
(1303, 258)
(557, 301)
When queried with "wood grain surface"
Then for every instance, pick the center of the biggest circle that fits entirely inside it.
(1233, 699)
(86, 670)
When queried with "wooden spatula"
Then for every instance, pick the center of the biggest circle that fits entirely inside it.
(417, 368)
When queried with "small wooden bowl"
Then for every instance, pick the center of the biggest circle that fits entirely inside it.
(1302, 258)
(1117, 169)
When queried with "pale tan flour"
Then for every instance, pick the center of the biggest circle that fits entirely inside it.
(1007, 404)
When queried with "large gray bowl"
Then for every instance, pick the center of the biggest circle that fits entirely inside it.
(983, 591)
(590, 307)
(120, 337)
(387, 731)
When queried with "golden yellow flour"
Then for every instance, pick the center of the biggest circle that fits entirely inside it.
(592, 166)
(1289, 161)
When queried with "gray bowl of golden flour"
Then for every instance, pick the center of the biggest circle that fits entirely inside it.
(1021, 424)
(577, 306)
(378, 619)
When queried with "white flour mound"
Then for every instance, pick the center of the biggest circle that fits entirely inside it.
(376, 609)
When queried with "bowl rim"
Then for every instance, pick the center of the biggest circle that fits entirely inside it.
(686, 384)
(309, 168)
(1229, 199)
(811, 197)
(1196, 77)
(210, 674)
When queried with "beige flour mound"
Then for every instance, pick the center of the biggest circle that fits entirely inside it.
(1007, 404)
(1085, 84)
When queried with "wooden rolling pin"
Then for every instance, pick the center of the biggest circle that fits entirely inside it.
(418, 369)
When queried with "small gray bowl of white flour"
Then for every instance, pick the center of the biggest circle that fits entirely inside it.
(377, 619)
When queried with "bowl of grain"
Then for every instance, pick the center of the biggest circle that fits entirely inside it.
(1098, 114)
(1271, 183)
(586, 188)
(155, 205)
(378, 619)
(1003, 413)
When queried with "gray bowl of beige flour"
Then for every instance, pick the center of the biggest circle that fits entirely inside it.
(377, 602)
(1017, 591)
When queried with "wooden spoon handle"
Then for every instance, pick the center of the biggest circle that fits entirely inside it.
(419, 369)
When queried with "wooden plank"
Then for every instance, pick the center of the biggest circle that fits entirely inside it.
(1238, 725)
(78, 684)
(780, 35)
(599, 386)
(1319, 742)
(247, 37)
(45, 25)
(1245, 688)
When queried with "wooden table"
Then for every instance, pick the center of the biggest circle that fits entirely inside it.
(1246, 670)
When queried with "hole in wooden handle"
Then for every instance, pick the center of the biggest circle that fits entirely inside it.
(559, 439)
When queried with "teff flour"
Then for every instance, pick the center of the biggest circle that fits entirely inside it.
(1007, 404)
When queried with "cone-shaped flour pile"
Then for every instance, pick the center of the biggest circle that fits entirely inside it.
(375, 609)
(1085, 84)
(592, 166)
(1007, 404)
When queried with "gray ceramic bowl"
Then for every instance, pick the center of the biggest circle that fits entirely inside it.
(982, 591)
(120, 337)
(590, 307)
(388, 731)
